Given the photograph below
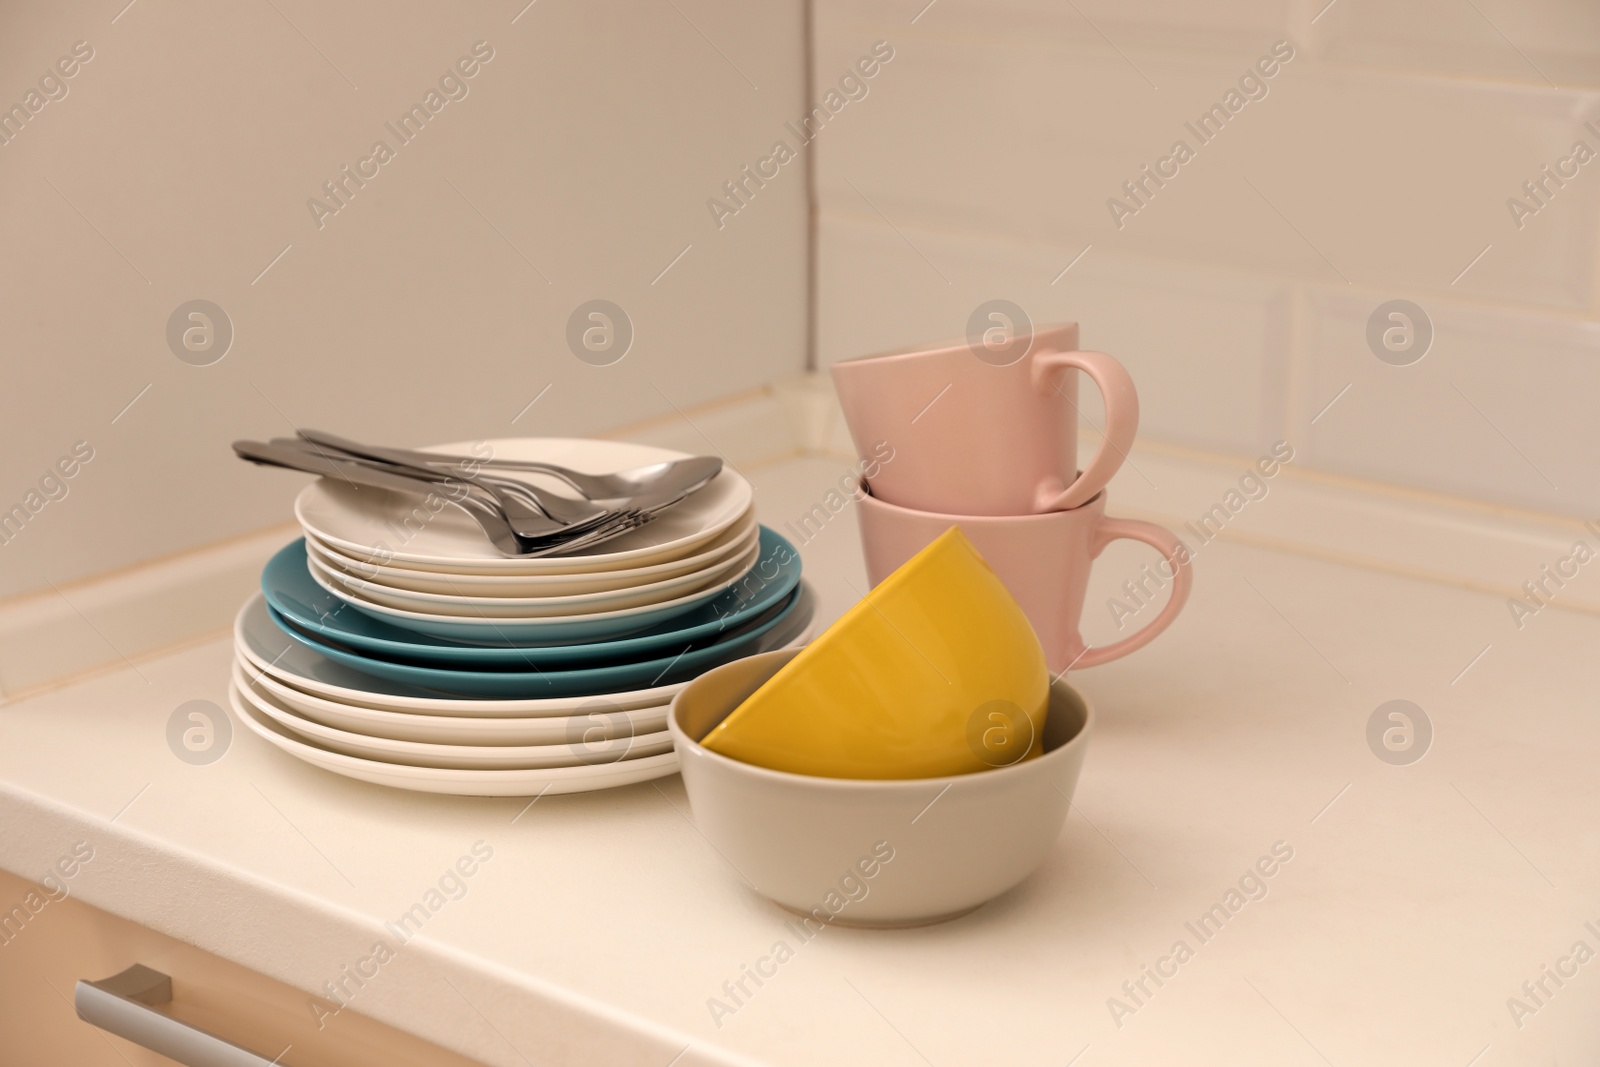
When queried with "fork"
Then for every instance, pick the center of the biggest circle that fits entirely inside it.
(684, 475)
(562, 509)
(488, 517)
(532, 514)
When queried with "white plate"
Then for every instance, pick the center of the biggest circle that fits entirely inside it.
(550, 630)
(731, 542)
(257, 638)
(580, 748)
(379, 526)
(601, 720)
(470, 783)
(365, 593)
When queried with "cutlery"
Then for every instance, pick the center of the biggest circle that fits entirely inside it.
(530, 512)
(679, 475)
(564, 510)
(533, 526)
(488, 516)
(275, 455)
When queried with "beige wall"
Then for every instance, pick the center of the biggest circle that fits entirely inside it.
(1377, 166)
(434, 306)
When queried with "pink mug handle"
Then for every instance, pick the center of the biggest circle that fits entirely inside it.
(1122, 424)
(1176, 554)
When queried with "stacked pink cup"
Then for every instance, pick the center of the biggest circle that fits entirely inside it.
(985, 438)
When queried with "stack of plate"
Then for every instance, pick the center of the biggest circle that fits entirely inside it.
(393, 643)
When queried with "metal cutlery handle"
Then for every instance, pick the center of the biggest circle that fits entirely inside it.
(394, 457)
(491, 517)
(614, 490)
(591, 487)
(338, 467)
(122, 1005)
(518, 500)
(493, 523)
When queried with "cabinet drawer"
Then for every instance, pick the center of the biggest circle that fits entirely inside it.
(47, 945)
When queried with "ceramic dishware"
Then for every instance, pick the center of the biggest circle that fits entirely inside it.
(601, 721)
(316, 612)
(263, 644)
(774, 575)
(978, 436)
(535, 782)
(717, 576)
(733, 541)
(874, 853)
(936, 671)
(385, 527)
(584, 747)
(1043, 559)
(548, 682)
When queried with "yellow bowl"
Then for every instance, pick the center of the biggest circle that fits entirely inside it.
(936, 672)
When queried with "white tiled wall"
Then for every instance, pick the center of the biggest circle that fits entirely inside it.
(1496, 409)
(1377, 166)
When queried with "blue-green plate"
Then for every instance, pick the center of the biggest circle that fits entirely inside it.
(319, 614)
(524, 684)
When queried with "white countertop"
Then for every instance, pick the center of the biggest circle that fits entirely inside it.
(1418, 900)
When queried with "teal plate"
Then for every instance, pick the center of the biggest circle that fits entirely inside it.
(615, 678)
(325, 618)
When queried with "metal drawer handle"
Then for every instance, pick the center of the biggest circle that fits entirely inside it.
(120, 1005)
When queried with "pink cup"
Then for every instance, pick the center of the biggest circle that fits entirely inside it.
(977, 437)
(1044, 561)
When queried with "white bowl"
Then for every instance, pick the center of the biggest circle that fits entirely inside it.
(875, 852)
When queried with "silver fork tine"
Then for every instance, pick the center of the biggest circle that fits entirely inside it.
(625, 523)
